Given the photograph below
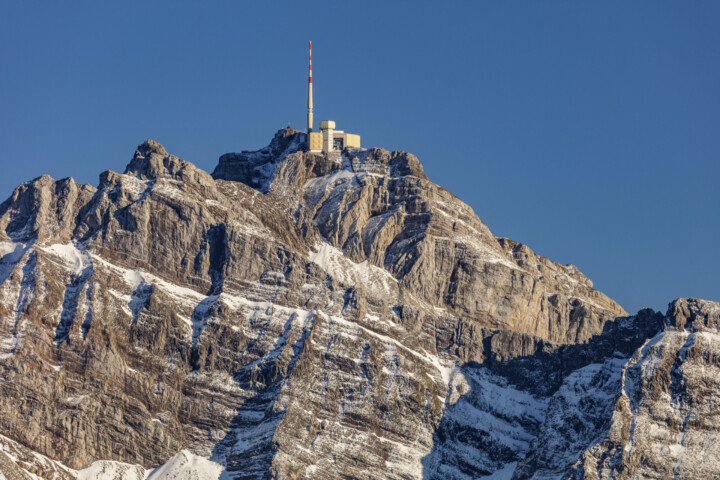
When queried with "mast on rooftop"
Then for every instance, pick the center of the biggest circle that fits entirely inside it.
(310, 99)
(327, 140)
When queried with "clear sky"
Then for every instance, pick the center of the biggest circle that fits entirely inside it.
(588, 130)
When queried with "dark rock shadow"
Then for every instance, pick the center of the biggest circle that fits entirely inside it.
(27, 292)
(493, 425)
(71, 301)
(249, 447)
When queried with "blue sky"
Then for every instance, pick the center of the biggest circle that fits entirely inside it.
(589, 131)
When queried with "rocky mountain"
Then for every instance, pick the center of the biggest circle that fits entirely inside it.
(305, 315)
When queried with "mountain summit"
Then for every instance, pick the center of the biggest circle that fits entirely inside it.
(302, 314)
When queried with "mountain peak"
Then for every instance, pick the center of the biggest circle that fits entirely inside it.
(151, 160)
(149, 147)
(694, 314)
(257, 168)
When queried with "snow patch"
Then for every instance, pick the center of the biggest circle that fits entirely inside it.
(76, 260)
(10, 255)
(332, 180)
(187, 465)
(112, 470)
(342, 269)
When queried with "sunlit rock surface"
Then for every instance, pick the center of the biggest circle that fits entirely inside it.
(301, 315)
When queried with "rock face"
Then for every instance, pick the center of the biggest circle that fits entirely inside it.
(303, 315)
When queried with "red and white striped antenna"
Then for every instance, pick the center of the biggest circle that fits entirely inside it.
(310, 99)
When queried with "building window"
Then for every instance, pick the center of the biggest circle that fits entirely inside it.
(337, 143)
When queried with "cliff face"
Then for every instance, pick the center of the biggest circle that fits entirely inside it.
(665, 420)
(300, 315)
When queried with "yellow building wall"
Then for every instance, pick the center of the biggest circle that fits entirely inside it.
(315, 141)
(323, 140)
(352, 140)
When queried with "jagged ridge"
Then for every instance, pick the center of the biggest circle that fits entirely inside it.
(304, 315)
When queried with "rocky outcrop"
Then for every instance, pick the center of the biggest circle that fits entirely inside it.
(43, 210)
(302, 315)
(256, 168)
(664, 422)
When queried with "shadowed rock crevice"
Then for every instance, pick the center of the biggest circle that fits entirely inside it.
(249, 448)
(217, 251)
(140, 300)
(25, 297)
(78, 290)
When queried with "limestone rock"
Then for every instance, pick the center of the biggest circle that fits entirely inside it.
(305, 315)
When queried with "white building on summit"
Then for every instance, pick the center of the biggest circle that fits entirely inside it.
(327, 139)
